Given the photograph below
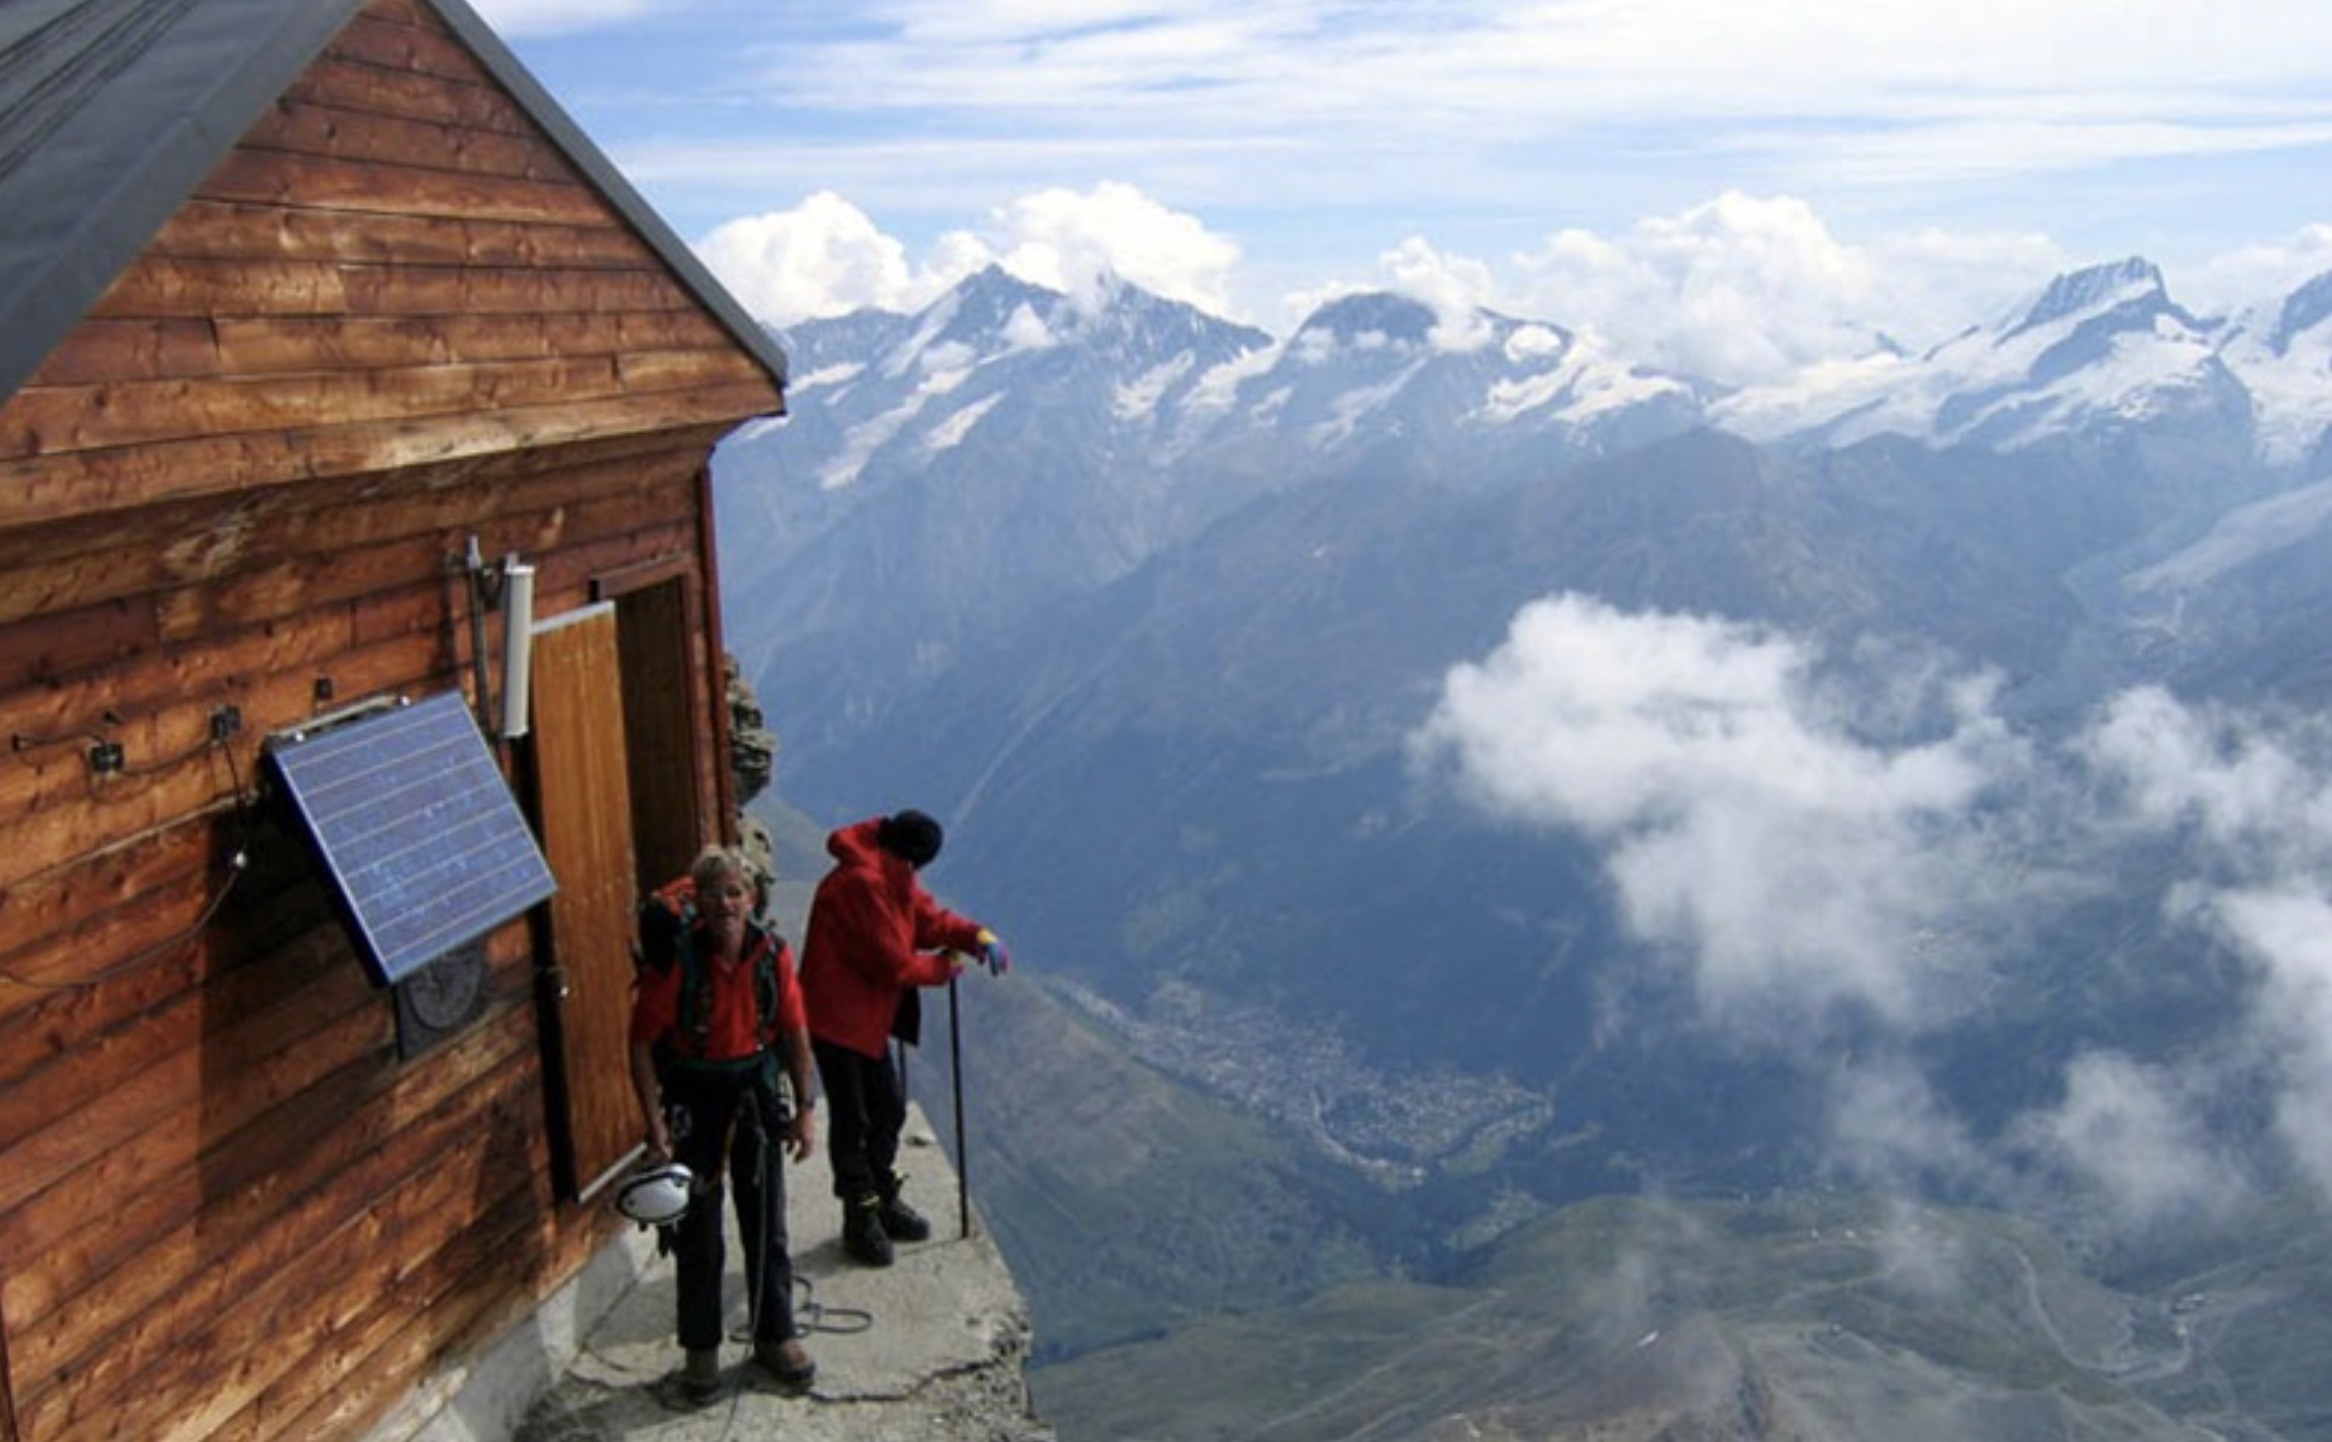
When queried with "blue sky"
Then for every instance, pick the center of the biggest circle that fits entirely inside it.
(1740, 189)
(1818, 168)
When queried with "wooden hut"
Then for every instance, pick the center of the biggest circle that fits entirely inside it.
(318, 319)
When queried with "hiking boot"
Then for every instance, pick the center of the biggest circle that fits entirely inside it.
(863, 1239)
(788, 1361)
(902, 1223)
(700, 1376)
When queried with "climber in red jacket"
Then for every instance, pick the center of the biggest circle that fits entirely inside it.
(875, 937)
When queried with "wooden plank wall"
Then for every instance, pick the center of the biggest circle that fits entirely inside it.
(393, 318)
(394, 243)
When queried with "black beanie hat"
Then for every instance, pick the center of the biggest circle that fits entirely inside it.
(911, 836)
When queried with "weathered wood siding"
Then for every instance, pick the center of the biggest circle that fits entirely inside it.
(393, 318)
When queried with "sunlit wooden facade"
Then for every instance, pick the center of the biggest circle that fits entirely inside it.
(386, 306)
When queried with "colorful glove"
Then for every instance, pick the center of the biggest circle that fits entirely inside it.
(992, 953)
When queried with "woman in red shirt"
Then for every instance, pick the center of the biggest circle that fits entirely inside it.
(713, 1023)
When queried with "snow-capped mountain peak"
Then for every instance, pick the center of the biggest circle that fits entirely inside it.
(2283, 354)
(1158, 384)
(2100, 348)
(1373, 320)
(2095, 290)
(2303, 310)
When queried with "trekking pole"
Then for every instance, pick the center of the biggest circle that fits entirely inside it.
(765, 1150)
(955, 1061)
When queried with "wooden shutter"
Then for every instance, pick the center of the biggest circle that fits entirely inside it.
(583, 796)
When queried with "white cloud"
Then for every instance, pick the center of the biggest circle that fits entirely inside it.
(2134, 1141)
(1326, 131)
(1742, 290)
(1455, 288)
(1516, 68)
(824, 257)
(1750, 826)
(2288, 933)
(1803, 832)
(2256, 804)
(2261, 272)
(827, 257)
(1746, 290)
(1890, 1129)
(1334, 108)
(551, 17)
(2260, 797)
(1074, 241)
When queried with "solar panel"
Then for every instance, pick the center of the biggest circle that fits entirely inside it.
(424, 846)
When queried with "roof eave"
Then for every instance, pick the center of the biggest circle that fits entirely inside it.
(611, 184)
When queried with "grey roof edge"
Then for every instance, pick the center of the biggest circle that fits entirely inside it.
(619, 192)
(54, 295)
(43, 301)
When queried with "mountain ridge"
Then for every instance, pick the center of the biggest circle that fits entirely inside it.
(1160, 616)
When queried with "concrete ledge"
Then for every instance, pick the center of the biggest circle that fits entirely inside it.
(930, 1349)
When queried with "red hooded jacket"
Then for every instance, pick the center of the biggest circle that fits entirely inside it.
(873, 933)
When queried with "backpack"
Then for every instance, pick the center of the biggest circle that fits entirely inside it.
(667, 926)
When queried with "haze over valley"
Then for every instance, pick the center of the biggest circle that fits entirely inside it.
(1614, 898)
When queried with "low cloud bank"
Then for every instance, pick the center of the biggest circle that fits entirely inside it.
(1751, 827)
(1836, 845)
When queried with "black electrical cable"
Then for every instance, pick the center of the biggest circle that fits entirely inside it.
(238, 863)
(23, 741)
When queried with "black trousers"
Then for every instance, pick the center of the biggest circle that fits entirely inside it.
(732, 1122)
(866, 1109)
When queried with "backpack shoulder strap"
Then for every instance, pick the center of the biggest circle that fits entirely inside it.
(694, 1014)
(768, 945)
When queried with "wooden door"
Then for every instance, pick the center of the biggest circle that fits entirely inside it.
(661, 725)
(583, 796)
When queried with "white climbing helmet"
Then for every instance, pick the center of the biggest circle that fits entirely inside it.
(656, 1197)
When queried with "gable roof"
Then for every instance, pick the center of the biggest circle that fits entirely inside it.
(113, 111)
